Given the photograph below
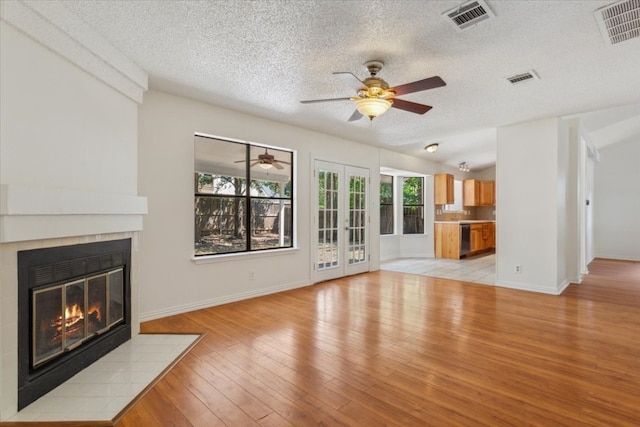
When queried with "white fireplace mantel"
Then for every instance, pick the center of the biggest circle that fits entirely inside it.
(31, 213)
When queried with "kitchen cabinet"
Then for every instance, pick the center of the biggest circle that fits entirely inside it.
(488, 235)
(447, 240)
(443, 183)
(487, 193)
(477, 242)
(478, 193)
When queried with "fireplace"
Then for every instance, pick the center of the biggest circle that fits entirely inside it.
(74, 306)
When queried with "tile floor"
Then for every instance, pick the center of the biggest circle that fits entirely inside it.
(478, 269)
(102, 390)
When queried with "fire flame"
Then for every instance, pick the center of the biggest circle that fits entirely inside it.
(72, 315)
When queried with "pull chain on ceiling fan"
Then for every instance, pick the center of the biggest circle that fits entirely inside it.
(374, 96)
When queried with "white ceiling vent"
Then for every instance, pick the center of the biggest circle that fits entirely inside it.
(523, 77)
(619, 21)
(469, 14)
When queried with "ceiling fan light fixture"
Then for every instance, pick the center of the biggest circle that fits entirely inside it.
(372, 107)
(431, 148)
(265, 165)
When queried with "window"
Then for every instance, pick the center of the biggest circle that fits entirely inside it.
(386, 204)
(412, 206)
(457, 198)
(243, 197)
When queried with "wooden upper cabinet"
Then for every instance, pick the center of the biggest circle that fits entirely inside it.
(487, 193)
(470, 192)
(478, 193)
(443, 183)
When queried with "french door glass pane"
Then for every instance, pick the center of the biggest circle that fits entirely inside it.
(327, 219)
(357, 218)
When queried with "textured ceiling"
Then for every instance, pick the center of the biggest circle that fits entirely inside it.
(263, 57)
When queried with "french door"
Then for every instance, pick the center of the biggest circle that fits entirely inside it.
(341, 220)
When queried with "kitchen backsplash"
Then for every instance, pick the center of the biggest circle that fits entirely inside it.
(468, 213)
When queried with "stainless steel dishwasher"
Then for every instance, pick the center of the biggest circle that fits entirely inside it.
(465, 239)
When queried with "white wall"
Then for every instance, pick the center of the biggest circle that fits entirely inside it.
(616, 202)
(531, 171)
(171, 281)
(67, 142)
(570, 216)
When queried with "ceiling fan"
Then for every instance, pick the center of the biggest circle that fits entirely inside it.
(374, 96)
(266, 161)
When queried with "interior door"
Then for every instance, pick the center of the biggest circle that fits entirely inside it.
(341, 220)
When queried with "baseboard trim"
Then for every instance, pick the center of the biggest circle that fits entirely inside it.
(532, 288)
(618, 257)
(185, 308)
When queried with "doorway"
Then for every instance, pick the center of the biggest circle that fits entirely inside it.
(341, 220)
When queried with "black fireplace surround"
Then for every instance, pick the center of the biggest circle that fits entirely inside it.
(67, 271)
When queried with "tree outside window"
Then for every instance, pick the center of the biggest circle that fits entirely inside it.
(412, 205)
(386, 204)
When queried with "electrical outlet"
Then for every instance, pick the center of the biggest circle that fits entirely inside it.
(252, 275)
(517, 269)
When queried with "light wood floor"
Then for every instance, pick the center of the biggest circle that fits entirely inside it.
(389, 348)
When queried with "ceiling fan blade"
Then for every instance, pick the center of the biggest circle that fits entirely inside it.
(277, 165)
(355, 116)
(282, 162)
(350, 80)
(412, 107)
(430, 83)
(325, 100)
(242, 161)
(253, 164)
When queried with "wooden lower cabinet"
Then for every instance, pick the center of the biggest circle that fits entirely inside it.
(447, 240)
(477, 243)
(488, 235)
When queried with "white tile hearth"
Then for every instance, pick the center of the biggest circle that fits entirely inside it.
(479, 269)
(102, 390)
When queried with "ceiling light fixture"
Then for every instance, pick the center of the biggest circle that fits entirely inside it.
(372, 107)
(463, 166)
(431, 148)
(265, 165)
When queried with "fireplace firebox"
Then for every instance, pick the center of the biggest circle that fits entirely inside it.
(73, 308)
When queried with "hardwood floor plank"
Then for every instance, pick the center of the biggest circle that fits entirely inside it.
(388, 348)
(217, 402)
(198, 414)
(232, 391)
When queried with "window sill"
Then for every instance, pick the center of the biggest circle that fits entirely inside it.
(211, 259)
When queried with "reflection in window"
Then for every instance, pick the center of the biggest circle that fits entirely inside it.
(231, 216)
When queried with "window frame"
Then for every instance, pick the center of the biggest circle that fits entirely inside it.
(248, 199)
